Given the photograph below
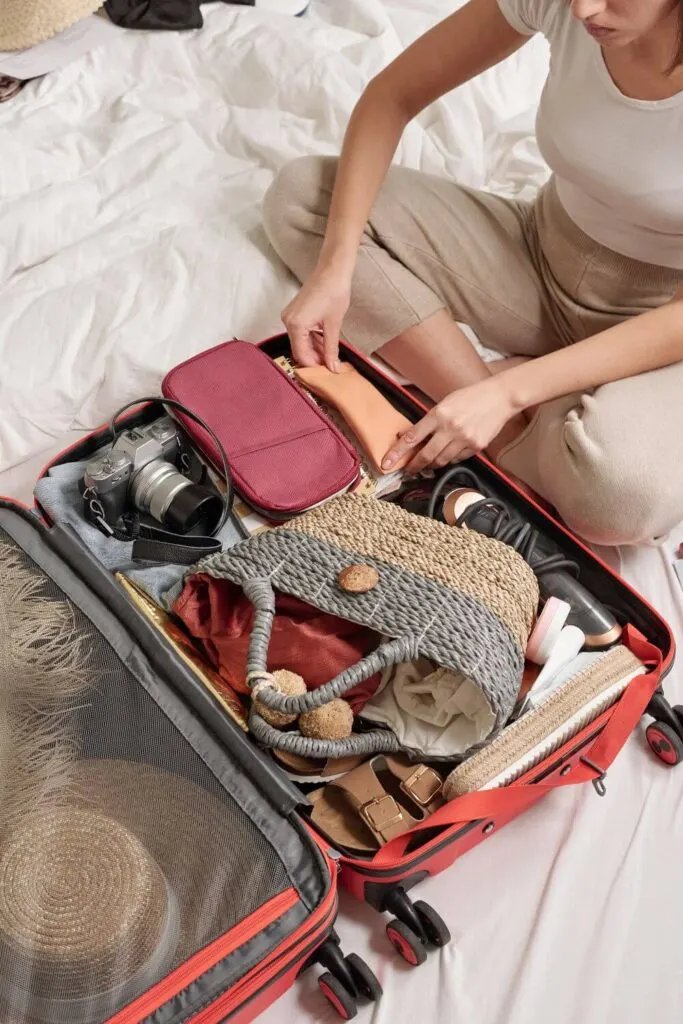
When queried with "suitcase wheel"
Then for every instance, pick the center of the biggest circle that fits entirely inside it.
(407, 942)
(434, 927)
(346, 980)
(419, 922)
(365, 981)
(339, 997)
(665, 742)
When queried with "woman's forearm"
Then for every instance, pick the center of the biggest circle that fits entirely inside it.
(473, 38)
(371, 140)
(642, 343)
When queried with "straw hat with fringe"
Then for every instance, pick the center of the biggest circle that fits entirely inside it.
(112, 871)
(104, 893)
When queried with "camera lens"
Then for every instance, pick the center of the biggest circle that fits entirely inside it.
(192, 505)
(173, 500)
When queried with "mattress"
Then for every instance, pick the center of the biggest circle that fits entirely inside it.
(130, 238)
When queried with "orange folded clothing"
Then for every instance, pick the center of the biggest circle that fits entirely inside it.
(372, 417)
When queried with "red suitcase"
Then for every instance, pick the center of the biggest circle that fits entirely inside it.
(386, 879)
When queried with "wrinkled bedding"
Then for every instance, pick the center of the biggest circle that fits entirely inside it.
(130, 238)
(130, 186)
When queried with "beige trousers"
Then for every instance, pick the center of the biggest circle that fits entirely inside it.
(527, 281)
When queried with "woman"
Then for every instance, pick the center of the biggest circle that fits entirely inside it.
(583, 288)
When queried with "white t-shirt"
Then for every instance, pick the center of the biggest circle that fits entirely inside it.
(618, 162)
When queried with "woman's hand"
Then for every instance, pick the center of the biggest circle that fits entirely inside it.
(465, 422)
(314, 317)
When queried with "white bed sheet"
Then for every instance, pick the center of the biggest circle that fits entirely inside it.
(130, 185)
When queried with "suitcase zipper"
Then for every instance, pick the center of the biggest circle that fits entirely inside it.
(205, 959)
(222, 1007)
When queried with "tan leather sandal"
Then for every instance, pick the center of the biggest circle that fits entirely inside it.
(312, 770)
(383, 798)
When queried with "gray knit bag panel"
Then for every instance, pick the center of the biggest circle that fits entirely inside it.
(423, 617)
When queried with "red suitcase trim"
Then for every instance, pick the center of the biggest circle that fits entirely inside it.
(206, 958)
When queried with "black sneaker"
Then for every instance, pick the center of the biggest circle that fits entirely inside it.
(467, 505)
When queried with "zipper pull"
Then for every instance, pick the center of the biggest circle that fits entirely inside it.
(599, 783)
(335, 856)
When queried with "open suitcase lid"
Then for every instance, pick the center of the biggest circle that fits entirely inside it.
(141, 855)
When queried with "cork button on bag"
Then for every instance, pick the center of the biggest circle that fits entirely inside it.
(358, 579)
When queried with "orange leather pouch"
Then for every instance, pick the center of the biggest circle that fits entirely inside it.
(372, 418)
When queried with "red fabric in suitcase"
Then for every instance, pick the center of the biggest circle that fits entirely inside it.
(314, 644)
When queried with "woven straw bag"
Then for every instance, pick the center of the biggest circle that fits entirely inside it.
(25, 23)
(454, 596)
(539, 732)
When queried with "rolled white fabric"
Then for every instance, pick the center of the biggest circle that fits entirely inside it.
(436, 712)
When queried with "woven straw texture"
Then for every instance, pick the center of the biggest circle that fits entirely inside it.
(463, 560)
(99, 899)
(523, 735)
(44, 668)
(121, 852)
(186, 830)
(25, 23)
(82, 901)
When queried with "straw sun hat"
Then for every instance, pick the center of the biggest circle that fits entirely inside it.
(104, 894)
(25, 23)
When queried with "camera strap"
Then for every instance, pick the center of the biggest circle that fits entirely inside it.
(152, 544)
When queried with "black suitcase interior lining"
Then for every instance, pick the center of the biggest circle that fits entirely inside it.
(105, 765)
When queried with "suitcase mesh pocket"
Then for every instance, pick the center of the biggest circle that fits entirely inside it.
(121, 855)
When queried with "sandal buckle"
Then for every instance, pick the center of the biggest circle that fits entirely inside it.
(423, 785)
(382, 814)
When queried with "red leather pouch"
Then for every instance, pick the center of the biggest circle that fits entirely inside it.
(285, 455)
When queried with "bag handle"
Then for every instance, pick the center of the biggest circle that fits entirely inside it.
(262, 685)
(261, 594)
(375, 741)
(592, 766)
